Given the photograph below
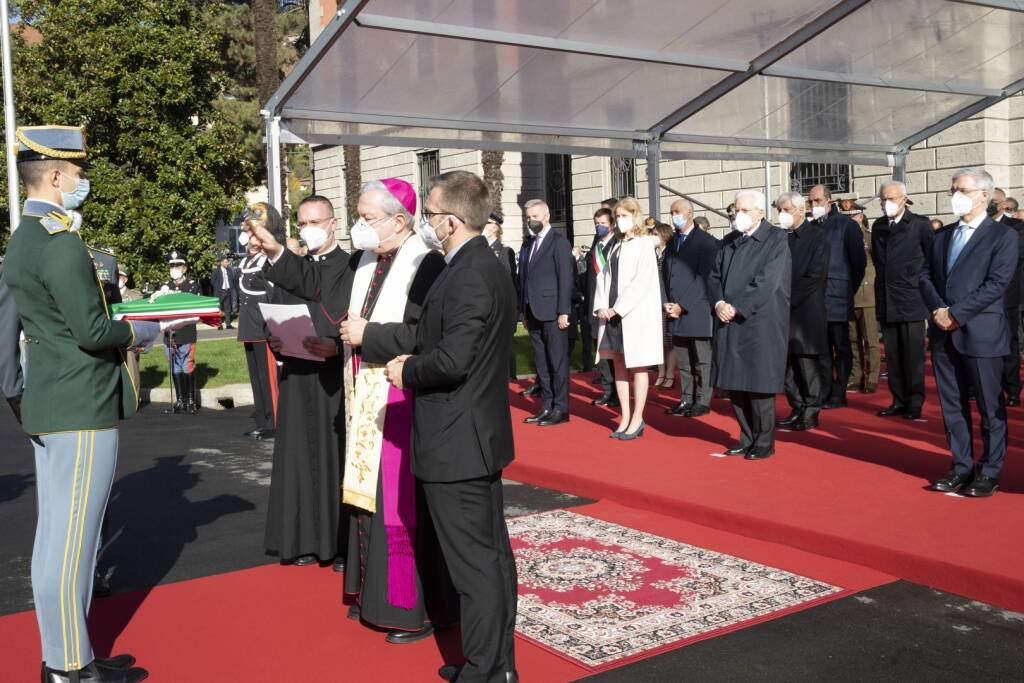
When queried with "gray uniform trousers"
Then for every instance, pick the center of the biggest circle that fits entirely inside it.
(74, 473)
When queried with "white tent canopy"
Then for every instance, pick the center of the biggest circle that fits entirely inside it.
(854, 81)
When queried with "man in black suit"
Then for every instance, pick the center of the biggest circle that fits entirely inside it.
(964, 283)
(808, 335)
(12, 379)
(902, 240)
(462, 431)
(223, 288)
(605, 240)
(546, 270)
(847, 262)
(750, 288)
(999, 209)
(689, 259)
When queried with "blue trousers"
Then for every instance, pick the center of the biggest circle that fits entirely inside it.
(74, 473)
(182, 358)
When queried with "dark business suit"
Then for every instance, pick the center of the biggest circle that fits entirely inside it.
(1011, 362)
(808, 335)
(749, 358)
(545, 292)
(223, 288)
(847, 262)
(689, 260)
(899, 249)
(973, 288)
(604, 365)
(462, 439)
(507, 258)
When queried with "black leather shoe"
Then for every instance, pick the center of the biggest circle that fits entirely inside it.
(679, 410)
(530, 391)
(834, 403)
(115, 662)
(738, 450)
(912, 415)
(1012, 401)
(892, 410)
(449, 672)
(555, 417)
(697, 411)
(100, 586)
(267, 434)
(793, 418)
(95, 674)
(354, 612)
(339, 565)
(952, 482)
(254, 434)
(982, 487)
(605, 400)
(402, 637)
(304, 560)
(759, 453)
(533, 419)
(805, 425)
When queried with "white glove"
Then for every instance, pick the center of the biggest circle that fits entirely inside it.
(159, 293)
(176, 324)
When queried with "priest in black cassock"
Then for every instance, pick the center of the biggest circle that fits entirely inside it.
(750, 287)
(304, 516)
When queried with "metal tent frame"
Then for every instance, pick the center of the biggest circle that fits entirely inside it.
(951, 99)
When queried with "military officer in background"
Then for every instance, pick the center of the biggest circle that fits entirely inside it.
(12, 379)
(76, 391)
(180, 344)
(252, 328)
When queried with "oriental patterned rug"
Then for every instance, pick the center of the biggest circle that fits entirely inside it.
(602, 595)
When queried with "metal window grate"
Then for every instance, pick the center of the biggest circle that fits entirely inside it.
(836, 177)
(429, 165)
(623, 177)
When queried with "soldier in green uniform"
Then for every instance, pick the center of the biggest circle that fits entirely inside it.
(76, 391)
(181, 343)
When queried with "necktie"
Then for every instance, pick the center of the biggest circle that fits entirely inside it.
(536, 247)
(680, 238)
(959, 241)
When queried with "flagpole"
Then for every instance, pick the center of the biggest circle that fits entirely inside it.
(13, 198)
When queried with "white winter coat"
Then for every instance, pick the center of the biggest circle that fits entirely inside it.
(638, 302)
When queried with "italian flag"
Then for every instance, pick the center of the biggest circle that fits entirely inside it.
(598, 256)
(170, 307)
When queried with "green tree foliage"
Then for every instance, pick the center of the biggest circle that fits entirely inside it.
(143, 76)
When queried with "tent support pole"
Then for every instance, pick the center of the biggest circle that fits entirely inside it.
(273, 138)
(654, 178)
(899, 167)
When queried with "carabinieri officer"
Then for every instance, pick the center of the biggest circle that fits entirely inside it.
(76, 390)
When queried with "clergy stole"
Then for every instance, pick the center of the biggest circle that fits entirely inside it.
(379, 423)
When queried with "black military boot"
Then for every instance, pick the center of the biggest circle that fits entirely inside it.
(190, 394)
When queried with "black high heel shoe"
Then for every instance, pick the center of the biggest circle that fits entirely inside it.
(635, 434)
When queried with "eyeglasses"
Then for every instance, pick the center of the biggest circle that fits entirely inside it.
(954, 190)
(316, 223)
(427, 214)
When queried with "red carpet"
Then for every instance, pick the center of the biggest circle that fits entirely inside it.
(852, 490)
(278, 623)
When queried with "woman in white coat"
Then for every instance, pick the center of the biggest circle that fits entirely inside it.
(627, 303)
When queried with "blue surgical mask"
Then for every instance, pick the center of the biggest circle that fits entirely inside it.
(601, 230)
(73, 200)
(679, 220)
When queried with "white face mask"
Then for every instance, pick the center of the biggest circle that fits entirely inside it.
(243, 239)
(177, 273)
(818, 211)
(742, 222)
(785, 220)
(625, 223)
(365, 237)
(428, 233)
(960, 204)
(892, 209)
(313, 237)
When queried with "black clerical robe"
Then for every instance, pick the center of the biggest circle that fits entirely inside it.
(305, 514)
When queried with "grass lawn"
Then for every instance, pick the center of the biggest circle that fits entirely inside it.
(222, 361)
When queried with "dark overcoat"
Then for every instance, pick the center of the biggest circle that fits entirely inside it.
(899, 252)
(808, 325)
(685, 271)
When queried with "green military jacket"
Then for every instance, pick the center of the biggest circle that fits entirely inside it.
(75, 378)
(865, 296)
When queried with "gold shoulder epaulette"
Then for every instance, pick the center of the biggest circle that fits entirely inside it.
(56, 222)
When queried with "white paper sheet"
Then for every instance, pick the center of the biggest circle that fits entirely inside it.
(291, 324)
